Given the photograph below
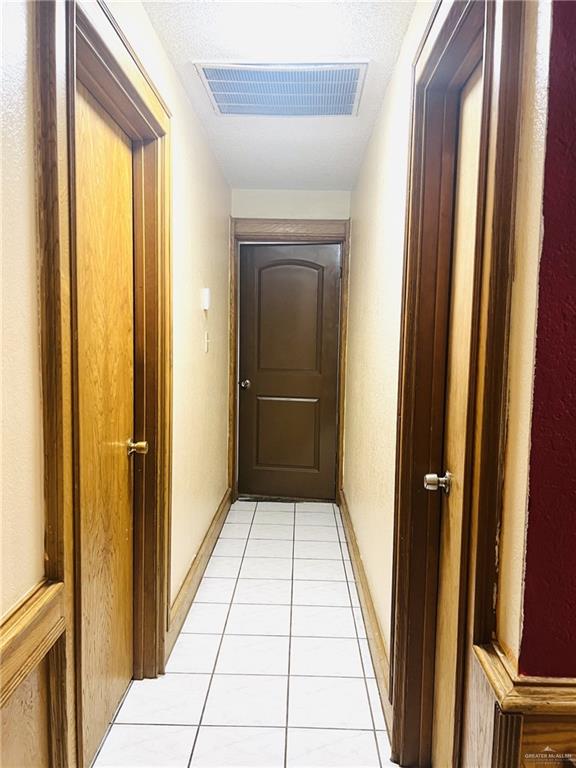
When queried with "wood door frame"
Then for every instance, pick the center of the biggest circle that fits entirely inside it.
(287, 231)
(81, 40)
(460, 31)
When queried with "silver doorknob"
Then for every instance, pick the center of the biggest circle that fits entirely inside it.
(432, 482)
(245, 384)
(140, 446)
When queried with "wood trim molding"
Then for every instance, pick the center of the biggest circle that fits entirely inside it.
(511, 664)
(506, 739)
(134, 56)
(541, 696)
(28, 633)
(54, 317)
(403, 323)
(444, 58)
(57, 704)
(461, 30)
(307, 230)
(233, 328)
(505, 37)
(181, 605)
(50, 78)
(342, 358)
(124, 70)
(62, 31)
(373, 630)
(285, 231)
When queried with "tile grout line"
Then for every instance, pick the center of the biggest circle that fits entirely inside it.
(220, 643)
(269, 538)
(360, 649)
(290, 642)
(300, 525)
(342, 561)
(275, 578)
(350, 586)
(298, 605)
(274, 557)
(277, 674)
(268, 634)
(268, 727)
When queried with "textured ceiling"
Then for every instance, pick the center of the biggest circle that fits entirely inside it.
(284, 153)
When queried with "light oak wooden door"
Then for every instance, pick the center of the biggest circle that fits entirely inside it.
(457, 414)
(105, 362)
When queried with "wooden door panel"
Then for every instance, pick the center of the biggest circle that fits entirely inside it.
(288, 433)
(290, 317)
(105, 351)
(448, 620)
(289, 321)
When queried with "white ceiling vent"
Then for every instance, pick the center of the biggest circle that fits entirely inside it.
(284, 90)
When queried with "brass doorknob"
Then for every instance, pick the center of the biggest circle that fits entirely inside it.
(140, 446)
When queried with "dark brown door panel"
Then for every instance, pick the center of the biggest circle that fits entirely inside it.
(289, 327)
(296, 420)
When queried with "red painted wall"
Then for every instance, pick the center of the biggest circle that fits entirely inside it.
(549, 635)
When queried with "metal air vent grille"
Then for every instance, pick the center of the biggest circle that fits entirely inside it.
(295, 90)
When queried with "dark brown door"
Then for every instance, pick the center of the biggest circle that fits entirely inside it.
(289, 318)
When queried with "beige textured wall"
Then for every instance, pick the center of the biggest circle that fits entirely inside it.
(377, 252)
(529, 232)
(290, 204)
(201, 210)
(22, 512)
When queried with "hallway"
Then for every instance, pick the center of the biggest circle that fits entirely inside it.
(272, 666)
(288, 384)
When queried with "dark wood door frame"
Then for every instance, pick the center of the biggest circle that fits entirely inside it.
(462, 34)
(276, 231)
(81, 41)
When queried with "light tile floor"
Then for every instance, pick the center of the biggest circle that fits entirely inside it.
(272, 667)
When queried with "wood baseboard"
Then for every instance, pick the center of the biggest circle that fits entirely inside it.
(185, 596)
(373, 632)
